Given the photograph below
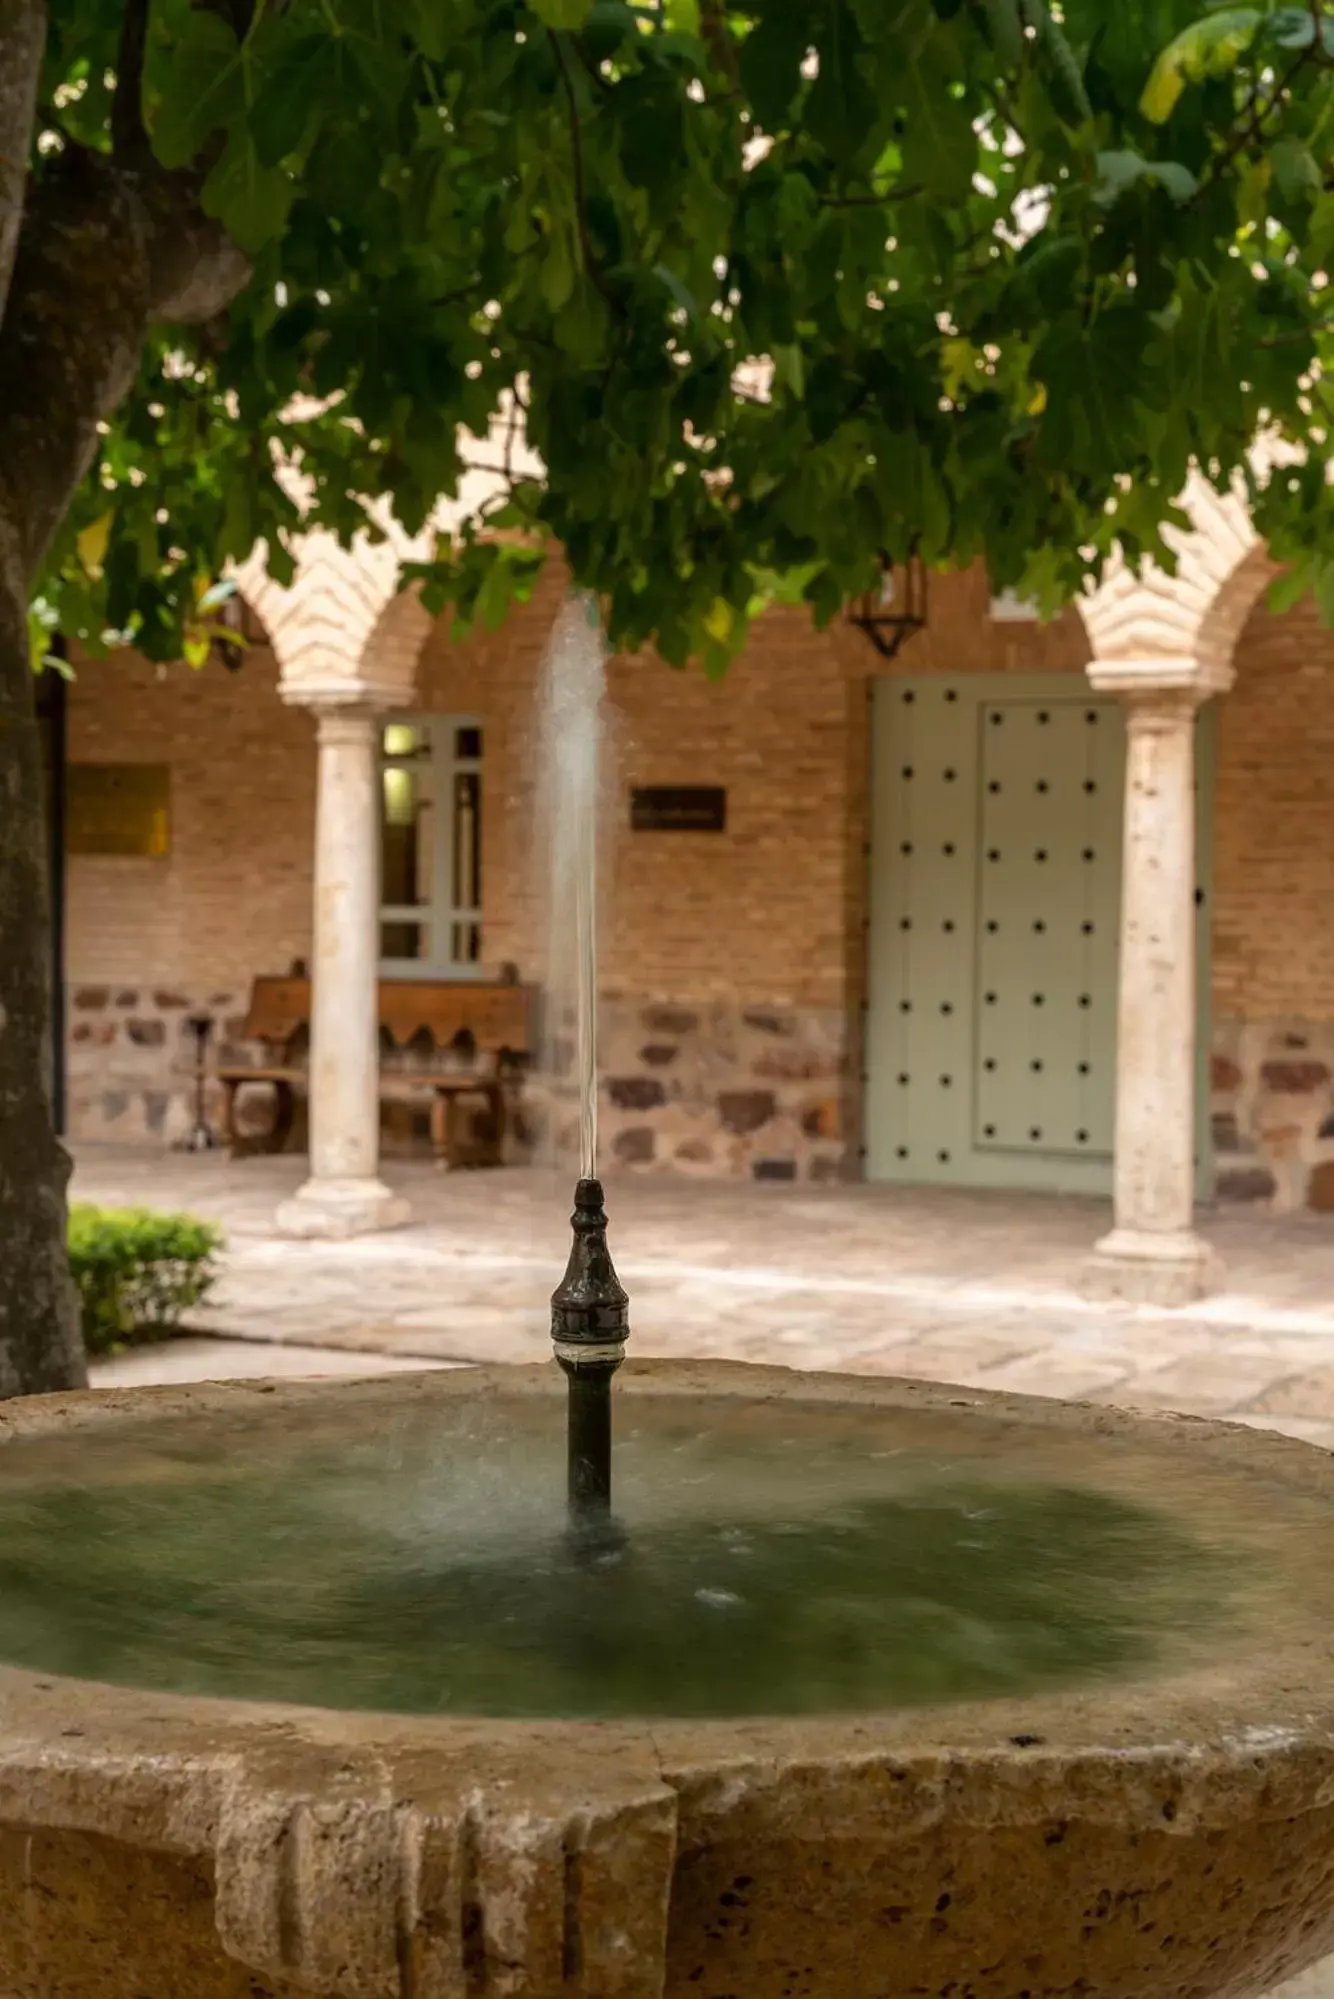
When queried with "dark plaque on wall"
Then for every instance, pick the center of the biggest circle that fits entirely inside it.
(118, 809)
(678, 808)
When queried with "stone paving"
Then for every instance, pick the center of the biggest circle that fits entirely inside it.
(961, 1287)
(975, 1288)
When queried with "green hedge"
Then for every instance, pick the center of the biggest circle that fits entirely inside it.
(138, 1272)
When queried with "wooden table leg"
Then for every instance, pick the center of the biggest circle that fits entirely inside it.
(230, 1085)
(440, 1129)
(499, 1121)
(284, 1112)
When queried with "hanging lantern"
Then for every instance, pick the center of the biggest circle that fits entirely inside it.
(894, 608)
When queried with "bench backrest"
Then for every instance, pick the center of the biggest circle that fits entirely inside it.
(496, 1016)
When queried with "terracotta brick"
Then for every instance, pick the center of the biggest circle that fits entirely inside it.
(1294, 1078)
(1224, 1073)
(1273, 943)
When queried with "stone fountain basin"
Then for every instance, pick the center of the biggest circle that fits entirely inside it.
(1169, 1835)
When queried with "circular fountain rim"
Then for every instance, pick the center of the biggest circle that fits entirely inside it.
(1250, 1702)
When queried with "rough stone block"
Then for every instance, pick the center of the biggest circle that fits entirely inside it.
(744, 1111)
(794, 1065)
(773, 1169)
(147, 1033)
(635, 1146)
(91, 999)
(1226, 1133)
(1245, 1183)
(636, 1093)
(1224, 1075)
(768, 1021)
(694, 1152)
(1294, 1078)
(657, 1054)
(669, 1020)
(1320, 1187)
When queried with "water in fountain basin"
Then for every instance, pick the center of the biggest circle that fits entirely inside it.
(571, 832)
(410, 1555)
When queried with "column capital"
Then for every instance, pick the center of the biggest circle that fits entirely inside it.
(1158, 677)
(345, 723)
(335, 695)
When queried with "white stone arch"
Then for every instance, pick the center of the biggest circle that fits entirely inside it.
(1181, 629)
(330, 628)
(394, 644)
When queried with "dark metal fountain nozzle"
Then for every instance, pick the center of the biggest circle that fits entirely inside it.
(590, 1323)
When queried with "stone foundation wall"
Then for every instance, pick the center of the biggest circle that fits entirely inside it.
(715, 1091)
(1272, 1103)
(131, 1058)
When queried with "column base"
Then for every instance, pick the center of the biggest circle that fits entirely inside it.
(1140, 1267)
(332, 1209)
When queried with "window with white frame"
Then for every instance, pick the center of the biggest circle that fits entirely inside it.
(431, 846)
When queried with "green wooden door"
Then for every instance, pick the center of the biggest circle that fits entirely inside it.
(995, 910)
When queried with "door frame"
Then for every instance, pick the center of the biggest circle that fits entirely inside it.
(978, 687)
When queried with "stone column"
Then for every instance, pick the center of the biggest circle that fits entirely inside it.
(344, 1195)
(1152, 1255)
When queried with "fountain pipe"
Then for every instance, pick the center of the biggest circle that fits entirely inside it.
(590, 1323)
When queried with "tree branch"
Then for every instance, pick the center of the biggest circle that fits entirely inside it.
(591, 264)
(128, 137)
(869, 200)
(1259, 109)
(105, 252)
(22, 40)
(718, 40)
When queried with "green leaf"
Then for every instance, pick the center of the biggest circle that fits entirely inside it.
(202, 89)
(1006, 30)
(681, 295)
(305, 83)
(1065, 80)
(770, 62)
(432, 27)
(1118, 172)
(1290, 28)
(92, 542)
(940, 143)
(561, 13)
(558, 272)
(249, 199)
(609, 23)
(1287, 590)
(1295, 171)
(1210, 47)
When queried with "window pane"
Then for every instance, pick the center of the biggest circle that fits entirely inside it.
(467, 839)
(402, 940)
(405, 739)
(406, 834)
(466, 944)
(467, 744)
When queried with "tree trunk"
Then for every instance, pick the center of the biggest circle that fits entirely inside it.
(40, 1343)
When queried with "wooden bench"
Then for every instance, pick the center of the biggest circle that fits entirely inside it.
(459, 1038)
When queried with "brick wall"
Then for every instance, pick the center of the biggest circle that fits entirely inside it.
(749, 945)
(151, 941)
(1273, 939)
(233, 893)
